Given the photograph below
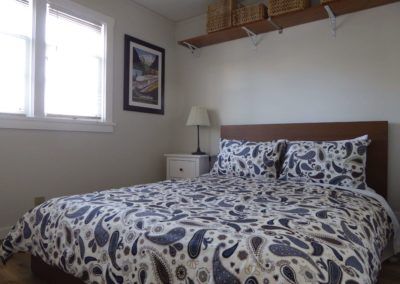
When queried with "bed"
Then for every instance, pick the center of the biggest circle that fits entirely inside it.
(219, 229)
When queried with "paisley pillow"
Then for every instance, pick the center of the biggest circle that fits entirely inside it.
(249, 159)
(341, 163)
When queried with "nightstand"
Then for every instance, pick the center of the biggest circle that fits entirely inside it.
(181, 166)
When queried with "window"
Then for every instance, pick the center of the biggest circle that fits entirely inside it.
(78, 47)
(15, 43)
(62, 80)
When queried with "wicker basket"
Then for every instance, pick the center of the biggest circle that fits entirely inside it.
(219, 15)
(279, 7)
(219, 22)
(249, 14)
(221, 7)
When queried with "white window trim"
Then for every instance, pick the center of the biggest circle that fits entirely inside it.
(57, 124)
(35, 117)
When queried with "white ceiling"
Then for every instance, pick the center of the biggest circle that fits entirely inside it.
(178, 10)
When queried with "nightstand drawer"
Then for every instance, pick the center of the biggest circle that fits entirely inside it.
(182, 168)
(186, 165)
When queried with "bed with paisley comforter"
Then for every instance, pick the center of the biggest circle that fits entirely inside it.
(210, 229)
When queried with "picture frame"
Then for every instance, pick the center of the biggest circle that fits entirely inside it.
(144, 76)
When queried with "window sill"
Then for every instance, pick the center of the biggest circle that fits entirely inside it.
(54, 124)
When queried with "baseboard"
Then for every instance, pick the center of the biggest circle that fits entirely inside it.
(4, 231)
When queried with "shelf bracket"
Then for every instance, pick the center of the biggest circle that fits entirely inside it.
(332, 18)
(252, 36)
(276, 26)
(193, 49)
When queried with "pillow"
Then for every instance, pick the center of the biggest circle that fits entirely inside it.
(341, 163)
(249, 159)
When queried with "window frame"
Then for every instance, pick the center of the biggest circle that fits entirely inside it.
(34, 116)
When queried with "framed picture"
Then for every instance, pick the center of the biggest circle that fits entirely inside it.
(144, 76)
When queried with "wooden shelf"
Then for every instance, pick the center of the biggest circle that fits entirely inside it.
(314, 13)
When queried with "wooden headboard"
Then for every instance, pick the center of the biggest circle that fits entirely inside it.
(377, 159)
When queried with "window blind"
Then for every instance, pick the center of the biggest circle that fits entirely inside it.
(74, 65)
(67, 16)
(25, 2)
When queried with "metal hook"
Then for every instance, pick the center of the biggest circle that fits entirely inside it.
(193, 49)
(252, 36)
(332, 18)
(276, 26)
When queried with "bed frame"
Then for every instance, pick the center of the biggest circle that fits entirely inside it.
(377, 165)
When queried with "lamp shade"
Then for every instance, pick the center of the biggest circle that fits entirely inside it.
(198, 116)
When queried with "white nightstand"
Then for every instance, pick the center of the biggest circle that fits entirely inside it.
(186, 165)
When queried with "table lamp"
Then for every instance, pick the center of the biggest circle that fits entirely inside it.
(198, 117)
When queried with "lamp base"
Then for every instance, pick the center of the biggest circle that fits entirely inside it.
(198, 152)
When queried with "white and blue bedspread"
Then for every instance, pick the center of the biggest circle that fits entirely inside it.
(210, 230)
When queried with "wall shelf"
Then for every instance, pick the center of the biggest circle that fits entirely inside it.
(314, 13)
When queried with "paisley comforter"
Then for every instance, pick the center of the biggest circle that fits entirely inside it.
(209, 230)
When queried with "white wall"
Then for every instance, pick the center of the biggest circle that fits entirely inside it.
(303, 75)
(47, 163)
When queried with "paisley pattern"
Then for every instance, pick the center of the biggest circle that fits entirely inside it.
(341, 163)
(209, 230)
(249, 159)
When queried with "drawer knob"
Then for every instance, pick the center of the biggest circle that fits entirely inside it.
(181, 170)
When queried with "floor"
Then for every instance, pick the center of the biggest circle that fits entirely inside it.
(18, 271)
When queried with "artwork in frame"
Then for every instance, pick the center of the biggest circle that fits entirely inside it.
(144, 76)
